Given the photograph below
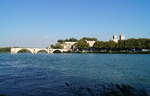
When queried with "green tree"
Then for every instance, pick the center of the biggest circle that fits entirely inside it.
(72, 40)
(134, 43)
(6, 49)
(110, 45)
(57, 46)
(82, 45)
(68, 40)
(60, 41)
(98, 45)
(105, 45)
(89, 39)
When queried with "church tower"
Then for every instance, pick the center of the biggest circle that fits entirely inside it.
(121, 37)
(115, 38)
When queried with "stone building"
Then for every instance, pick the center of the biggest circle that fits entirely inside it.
(91, 43)
(115, 39)
(68, 45)
(121, 37)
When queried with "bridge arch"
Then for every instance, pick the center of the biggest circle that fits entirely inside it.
(24, 50)
(42, 51)
(57, 51)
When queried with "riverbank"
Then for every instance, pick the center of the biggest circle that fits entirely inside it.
(5, 50)
(111, 52)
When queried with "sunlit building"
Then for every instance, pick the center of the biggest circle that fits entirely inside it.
(121, 37)
(115, 39)
(68, 45)
(91, 43)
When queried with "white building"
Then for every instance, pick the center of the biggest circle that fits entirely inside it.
(68, 45)
(121, 37)
(115, 39)
(91, 43)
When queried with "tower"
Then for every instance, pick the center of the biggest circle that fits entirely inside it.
(115, 38)
(121, 37)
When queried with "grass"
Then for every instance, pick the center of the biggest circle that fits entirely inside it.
(106, 90)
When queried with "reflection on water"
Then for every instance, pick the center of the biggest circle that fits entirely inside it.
(46, 74)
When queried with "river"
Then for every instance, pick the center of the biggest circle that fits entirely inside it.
(46, 74)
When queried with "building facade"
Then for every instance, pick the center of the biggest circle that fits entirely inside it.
(115, 38)
(121, 37)
(68, 45)
(91, 43)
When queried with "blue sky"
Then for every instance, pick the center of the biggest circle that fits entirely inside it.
(37, 23)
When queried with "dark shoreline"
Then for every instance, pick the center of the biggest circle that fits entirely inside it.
(117, 52)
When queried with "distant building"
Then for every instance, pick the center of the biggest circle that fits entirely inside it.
(68, 45)
(91, 43)
(115, 38)
(121, 37)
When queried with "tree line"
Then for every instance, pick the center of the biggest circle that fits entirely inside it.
(129, 44)
(5, 49)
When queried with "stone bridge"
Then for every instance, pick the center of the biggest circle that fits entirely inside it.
(37, 50)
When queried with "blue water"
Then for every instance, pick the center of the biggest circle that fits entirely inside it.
(46, 74)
